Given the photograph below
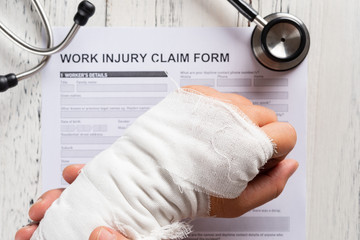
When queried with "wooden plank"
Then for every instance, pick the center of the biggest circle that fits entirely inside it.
(19, 121)
(171, 13)
(20, 150)
(334, 126)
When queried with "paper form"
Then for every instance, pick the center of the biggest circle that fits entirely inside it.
(95, 89)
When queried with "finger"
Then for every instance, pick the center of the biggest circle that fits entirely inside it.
(237, 99)
(268, 186)
(270, 164)
(71, 172)
(283, 135)
(26, 232)
(259, 191)
(226, 97)
(208, 91)
(259, 115)
(37, 211)
(104, 233)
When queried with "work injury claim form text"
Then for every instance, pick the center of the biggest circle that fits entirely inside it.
(107, 77)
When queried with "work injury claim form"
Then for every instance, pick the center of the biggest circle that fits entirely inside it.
(107, 77)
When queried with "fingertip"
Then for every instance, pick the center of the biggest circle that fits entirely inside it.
(95, 234)
(293, 131)
(37, 211)
(283, 135)
(34, 210)
(105, 233)
(71, 172)
(284, 169)
(293, 162)
(26, 232)
(293, 165)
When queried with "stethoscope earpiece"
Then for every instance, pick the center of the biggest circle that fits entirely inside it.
(282, 44)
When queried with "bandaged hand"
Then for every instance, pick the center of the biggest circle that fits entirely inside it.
(263, 188)
(37, 211)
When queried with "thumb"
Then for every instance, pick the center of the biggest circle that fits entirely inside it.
(104, 233)
(262, 189)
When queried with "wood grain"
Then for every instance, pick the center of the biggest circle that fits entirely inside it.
(333, 184)
(20, 138)
(19, 123)
(333, 121)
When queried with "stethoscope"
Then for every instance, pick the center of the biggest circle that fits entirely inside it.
(279, 42)
(85, 11)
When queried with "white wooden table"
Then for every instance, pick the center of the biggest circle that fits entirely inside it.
(333, 185)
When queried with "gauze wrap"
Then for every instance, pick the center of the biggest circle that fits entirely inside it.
(162, 171)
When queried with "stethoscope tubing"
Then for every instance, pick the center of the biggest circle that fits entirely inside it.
(43, 51)
(247, 11)
(15, 39)
(85, 11)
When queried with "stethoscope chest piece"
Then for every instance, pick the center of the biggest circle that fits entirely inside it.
(282, 44)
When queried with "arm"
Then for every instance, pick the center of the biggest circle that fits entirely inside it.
(264, 187)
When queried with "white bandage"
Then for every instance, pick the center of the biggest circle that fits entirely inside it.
(162, 171)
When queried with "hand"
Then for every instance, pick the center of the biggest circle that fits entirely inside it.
(269, 183)
(265, 187)
(37, 211)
